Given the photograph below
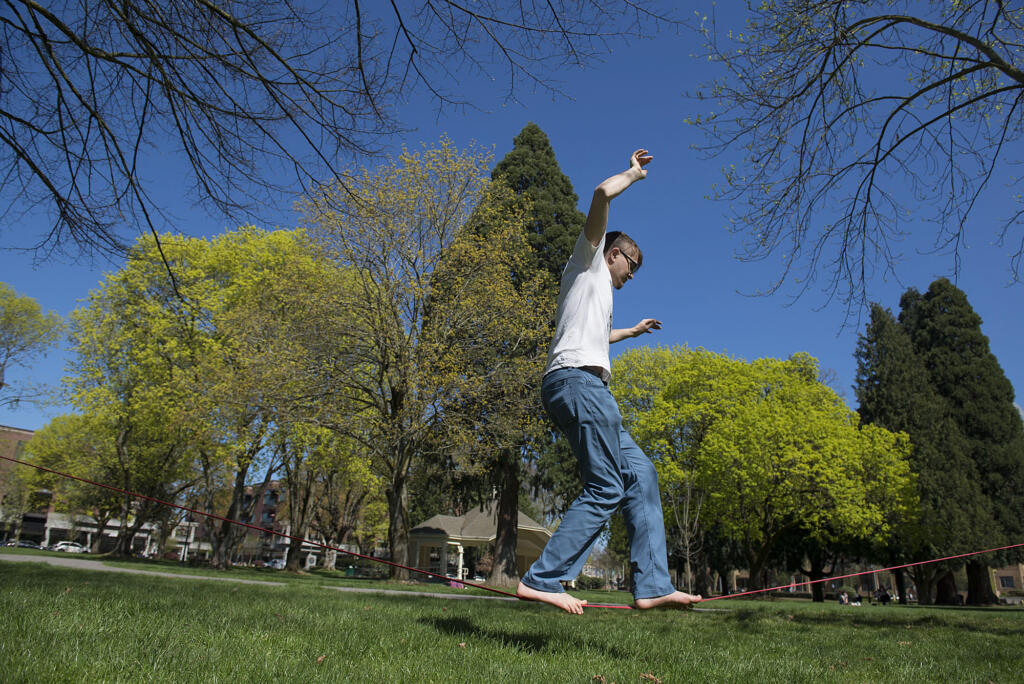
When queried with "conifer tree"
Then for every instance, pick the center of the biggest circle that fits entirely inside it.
(894, 391)
(946, 334)
(531, 170)
(553, 224)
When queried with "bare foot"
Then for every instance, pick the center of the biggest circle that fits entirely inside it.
(570, 604)
(676, 598)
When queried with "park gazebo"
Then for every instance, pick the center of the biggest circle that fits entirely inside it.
(450, 544)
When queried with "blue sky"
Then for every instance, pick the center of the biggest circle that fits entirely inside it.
(690, 279)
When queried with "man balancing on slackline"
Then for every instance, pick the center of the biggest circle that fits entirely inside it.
(575, 394)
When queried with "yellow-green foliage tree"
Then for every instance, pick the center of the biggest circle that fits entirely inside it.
(25, 332)
(426, 302)
(348, 501)
(202, 371)
(278, 330)
(489, 320)
(81, 445)
(126, 374)
(760, 449)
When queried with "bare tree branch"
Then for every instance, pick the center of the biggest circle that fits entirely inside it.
(261, 101)
(850, 121)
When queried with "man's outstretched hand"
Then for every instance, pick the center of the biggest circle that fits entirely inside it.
(639, 160)
(646, 326)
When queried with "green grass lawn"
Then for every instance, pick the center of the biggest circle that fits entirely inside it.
(77, 625)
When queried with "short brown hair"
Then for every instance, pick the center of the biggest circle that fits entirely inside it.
(616, 238)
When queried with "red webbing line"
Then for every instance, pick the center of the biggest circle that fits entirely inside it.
(866, 572)
(260, 529)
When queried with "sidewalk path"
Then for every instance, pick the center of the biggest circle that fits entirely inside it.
(82, 564)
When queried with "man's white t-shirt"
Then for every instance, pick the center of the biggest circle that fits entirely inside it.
(584, 319)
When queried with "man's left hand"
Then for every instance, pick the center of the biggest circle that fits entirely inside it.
(647, 325)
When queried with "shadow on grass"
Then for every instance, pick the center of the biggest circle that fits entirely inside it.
(529, 642)
(922, 621)
(464, 628)
(966, 620)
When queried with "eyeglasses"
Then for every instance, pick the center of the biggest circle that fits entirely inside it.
(633, 265)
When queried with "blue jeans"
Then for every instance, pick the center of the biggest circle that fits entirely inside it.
(614, 471)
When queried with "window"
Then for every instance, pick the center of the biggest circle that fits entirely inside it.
(1005, 582)
(435, 559)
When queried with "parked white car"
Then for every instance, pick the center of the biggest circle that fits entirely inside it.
(69, 547)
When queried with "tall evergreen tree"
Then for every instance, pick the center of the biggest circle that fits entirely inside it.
(554, 222)
(531, 170)
(946, 334)
(894, 391)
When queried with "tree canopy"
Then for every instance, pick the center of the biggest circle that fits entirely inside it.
(894, 391)
(434, 318)
(25, 333)
(189, 383)
(853, 119)
(946, 334)
(532, 172)
(763, 446)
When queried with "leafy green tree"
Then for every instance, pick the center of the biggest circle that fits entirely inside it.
(203, 371)
(429, 303)
(496, 408)
(894, 391)
(18, 496)
(25, 332)
(83, 446)
(347, 500)
(850, 118)
(946, 334)
(770, 447)
(126, 376)
(544, 196)
(330, 487)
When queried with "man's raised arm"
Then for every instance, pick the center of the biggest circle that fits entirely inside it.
(610, 188)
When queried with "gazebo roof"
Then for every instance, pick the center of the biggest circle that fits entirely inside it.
(477, 525)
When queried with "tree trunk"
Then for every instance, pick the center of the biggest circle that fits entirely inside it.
(945, 590)
(704, 583)
(122, 548)
(818, 571)
(294, 551)
(101, 524)
(300, 491)
(755, 569)
(901, 585)
(398, 524)
(224, 538)
(979, 585)
(504, 572)
(925, 578)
